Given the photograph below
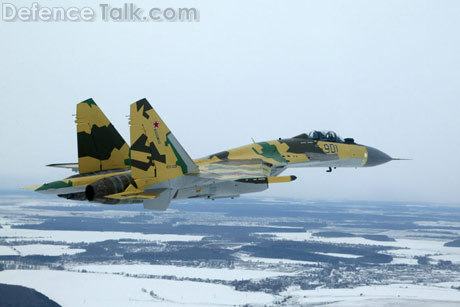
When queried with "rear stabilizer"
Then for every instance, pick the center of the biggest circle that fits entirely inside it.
(156, 154)
(158, 199)
(100, 146)
(133, 193)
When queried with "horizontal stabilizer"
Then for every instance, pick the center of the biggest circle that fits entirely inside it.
(157, 199)
(131, 193)
(72, 166)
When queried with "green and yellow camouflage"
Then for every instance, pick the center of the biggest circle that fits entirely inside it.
(100, 146)
(157, 169)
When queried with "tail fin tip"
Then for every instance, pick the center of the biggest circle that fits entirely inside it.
(90, 102)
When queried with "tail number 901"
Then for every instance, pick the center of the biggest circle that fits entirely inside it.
(331, 148)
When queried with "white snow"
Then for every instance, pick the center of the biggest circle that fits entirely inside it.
(7, 251)
(181, 271)
(339, 255)
(407, 248)
(399, 294)
(408, 261)
(46, 249)
(246, 257)
(438, 223)
(16, 234)
(86, 289)
(455, 258)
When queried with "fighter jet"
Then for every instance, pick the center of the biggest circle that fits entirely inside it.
(156, 169)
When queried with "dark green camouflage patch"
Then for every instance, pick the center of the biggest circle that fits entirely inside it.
(180, 162)
(223, 155)
(90, 102)
(100, 143)
(140, 145)
(269, 151)
(143, 103)
(54, 185)
(300, 145)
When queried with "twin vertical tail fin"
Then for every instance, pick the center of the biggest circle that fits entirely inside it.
(156, 155)
(100, 146)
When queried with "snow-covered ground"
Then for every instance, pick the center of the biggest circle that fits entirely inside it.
(181, 271)
(406, 250)
(87, 289)
(7, 251)
(114, 284)
(338, 255)
(388, 295)
(438, 223)
(246, 257)
(46, 250)
(408, 261)
(15, 234)
(91, 289)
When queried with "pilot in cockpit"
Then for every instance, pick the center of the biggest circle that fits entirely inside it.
(329, 136)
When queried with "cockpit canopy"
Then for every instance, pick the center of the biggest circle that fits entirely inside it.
(329, 136)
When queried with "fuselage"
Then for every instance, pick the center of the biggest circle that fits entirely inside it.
(299, 151)
(272, 156)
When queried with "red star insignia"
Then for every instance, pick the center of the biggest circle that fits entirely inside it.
(156, 125)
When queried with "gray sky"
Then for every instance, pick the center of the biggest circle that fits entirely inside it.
(384, 72)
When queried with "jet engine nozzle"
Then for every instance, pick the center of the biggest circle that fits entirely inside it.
(111, 185)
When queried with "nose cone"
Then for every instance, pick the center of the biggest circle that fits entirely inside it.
(376, 157)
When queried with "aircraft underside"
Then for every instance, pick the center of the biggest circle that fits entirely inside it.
(155, 168)
(188, 186)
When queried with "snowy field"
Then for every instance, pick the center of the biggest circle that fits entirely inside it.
(248, 258)
(390, 295)
(339, 255)
(39, 249)
(91, 289)
(218, 244)
(13, 234)
(7, 251)
(405, 252)
(180, 271)
(87, 289)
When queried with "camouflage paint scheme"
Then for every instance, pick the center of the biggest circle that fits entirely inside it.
(100, 146)
(157, 169)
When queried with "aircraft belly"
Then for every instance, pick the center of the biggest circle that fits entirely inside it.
(182, 182)
(155, 169)
(350, 162)
(220, 189)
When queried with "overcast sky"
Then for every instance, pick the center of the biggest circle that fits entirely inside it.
(384, 72)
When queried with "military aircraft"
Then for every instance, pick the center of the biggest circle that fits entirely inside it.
(156, 169)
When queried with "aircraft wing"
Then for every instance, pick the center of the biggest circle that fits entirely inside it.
(231, 170)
